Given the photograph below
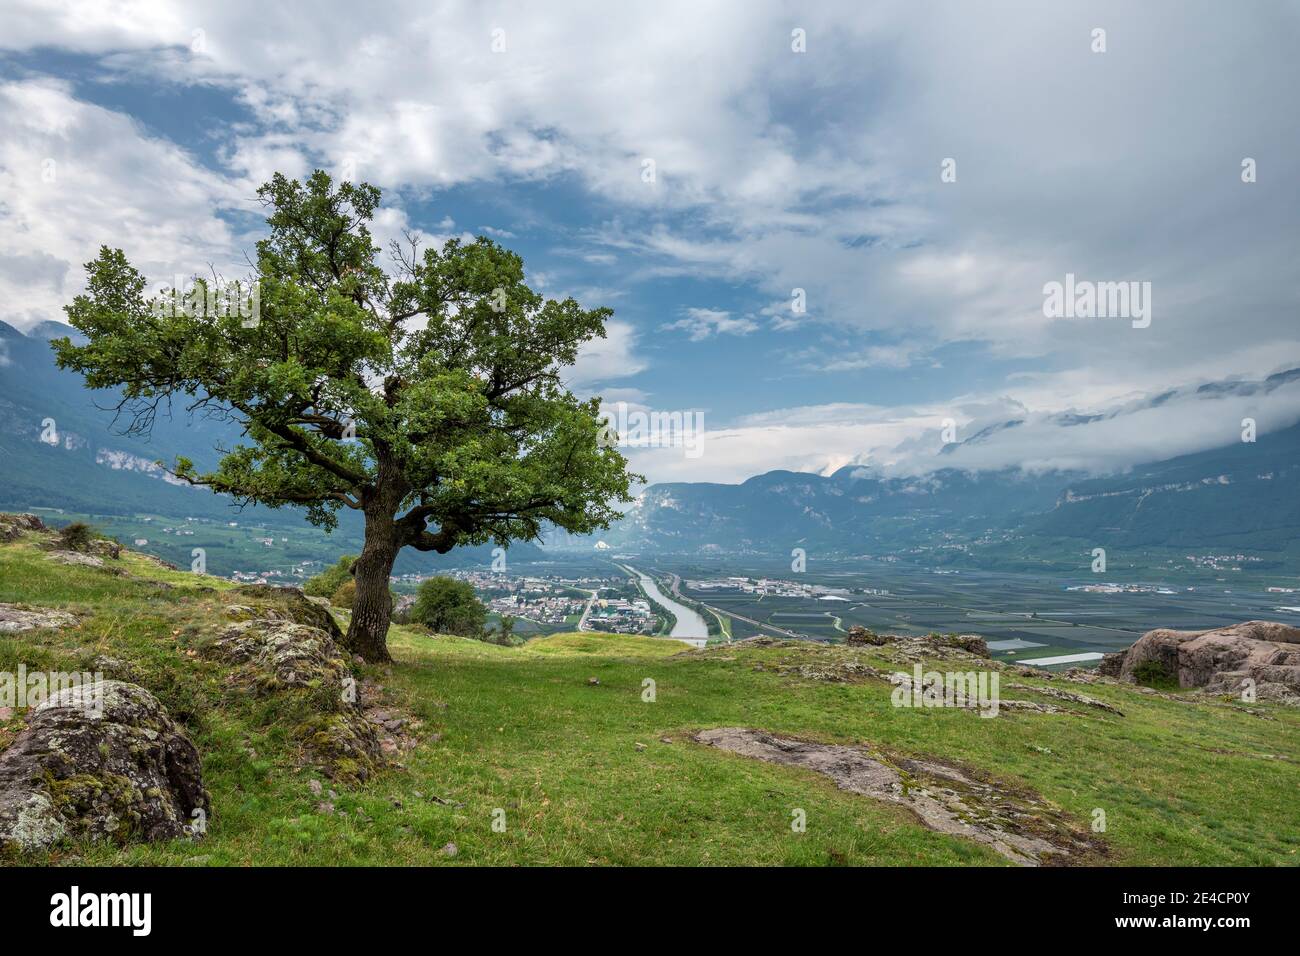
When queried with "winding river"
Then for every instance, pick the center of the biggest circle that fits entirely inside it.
(690, 626)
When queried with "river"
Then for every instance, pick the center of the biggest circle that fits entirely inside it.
(690, 626)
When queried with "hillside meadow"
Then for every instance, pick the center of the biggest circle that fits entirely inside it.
(577, 749)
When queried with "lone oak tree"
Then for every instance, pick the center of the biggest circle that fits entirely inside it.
(428, 399)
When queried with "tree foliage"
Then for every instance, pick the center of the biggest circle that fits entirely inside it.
(448, 606)
(428, 395)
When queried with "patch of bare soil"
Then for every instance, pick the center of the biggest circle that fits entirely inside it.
(1016, 823)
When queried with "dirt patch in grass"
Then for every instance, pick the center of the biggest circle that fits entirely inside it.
(1016, 823)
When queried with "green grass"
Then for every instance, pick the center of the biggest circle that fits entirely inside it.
(522, 730)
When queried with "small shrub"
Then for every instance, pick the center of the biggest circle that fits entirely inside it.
(1156, 675)
(331, 579)
(448, 606)
(76, 536)
(345, 594)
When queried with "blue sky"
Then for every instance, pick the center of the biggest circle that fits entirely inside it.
(775, 169)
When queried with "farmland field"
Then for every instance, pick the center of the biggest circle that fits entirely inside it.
(1023, 615)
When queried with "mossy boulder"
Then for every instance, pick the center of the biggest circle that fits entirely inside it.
(284, 654)
(859, 636)
(308, 674)
(970, 643)
(24, 617)
(99, 761)
(288, 604)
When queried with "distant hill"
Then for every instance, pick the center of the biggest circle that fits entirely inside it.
(851, 510)
(1242, 497)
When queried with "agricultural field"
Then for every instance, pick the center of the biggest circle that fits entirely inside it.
(1021, 615)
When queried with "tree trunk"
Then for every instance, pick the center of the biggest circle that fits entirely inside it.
(372, 607)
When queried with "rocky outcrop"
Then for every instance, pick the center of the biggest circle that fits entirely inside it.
(1222, 660)
(858, 636)
(1111, 664)
(14, 526)
(24, 617)
(289, 604)
(402, 605)
(76, 558)
(284, 654)
(1017, 824)
(306, 664)
(99, 761)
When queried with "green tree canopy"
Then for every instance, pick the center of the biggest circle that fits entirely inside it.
(448, 606)
(427, 395)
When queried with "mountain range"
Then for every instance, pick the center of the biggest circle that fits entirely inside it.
(59, 449)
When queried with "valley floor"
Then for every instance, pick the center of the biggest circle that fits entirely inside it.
(576, 771)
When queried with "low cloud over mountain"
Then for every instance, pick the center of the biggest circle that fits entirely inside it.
(987, 434)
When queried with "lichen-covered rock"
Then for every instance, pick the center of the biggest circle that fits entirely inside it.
(114, 667)
(284, 653)
(14, 526)
(129, 773)
(859, 636)
(290, 604)
(24, 617)
(284, 657)
(947, 798)
(970, 643)
(104, 548)
(1222, 660)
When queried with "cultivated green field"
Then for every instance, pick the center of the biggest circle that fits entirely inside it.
(590, 773)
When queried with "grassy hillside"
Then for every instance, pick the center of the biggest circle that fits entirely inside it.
(587, 772)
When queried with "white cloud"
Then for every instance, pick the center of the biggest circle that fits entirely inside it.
(74, 176)
(774, 170)
(702, 324)
(910, 440)
(602, 361)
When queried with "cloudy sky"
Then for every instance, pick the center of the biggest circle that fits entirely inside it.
(792, 146)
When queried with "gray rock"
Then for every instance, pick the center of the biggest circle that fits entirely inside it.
(14, 526)
(279, 656)
(859, 636)
(1020, 826)
(284, 654)
(290, 604)
(76, 558)
(130, 773)
(23, 617)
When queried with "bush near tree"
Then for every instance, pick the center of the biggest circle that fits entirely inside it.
(345, 595)
(331, 579)
(448, 606)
